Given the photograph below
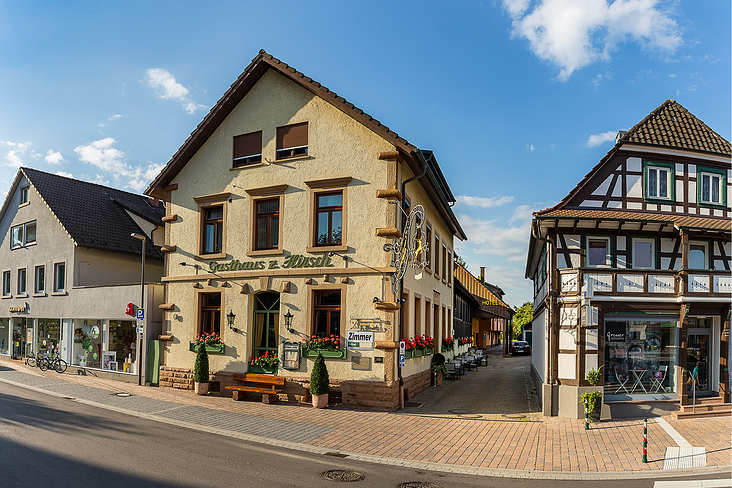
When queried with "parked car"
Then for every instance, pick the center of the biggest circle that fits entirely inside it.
(521, 347)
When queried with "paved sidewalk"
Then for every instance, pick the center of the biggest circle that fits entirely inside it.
(473, 444)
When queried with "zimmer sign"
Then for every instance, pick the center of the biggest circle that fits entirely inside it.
(360, 340)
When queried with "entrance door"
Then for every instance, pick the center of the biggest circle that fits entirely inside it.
(697, 356)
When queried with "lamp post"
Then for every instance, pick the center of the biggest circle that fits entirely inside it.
(138, 355)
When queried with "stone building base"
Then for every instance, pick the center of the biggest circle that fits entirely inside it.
(368, 395)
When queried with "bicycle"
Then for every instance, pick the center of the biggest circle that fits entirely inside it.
(52, 361)
(31, 360)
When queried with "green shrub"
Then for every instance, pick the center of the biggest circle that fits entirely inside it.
(437, 359)
(319, 380)
(200, 370)
(593, 376)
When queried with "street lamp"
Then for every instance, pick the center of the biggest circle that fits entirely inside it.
(138, 358)
(230, 320)
(288, 322)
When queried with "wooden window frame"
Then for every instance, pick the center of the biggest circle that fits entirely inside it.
(257, 350)
(670, 168)
(268, 226)
(707, 257)
(324, 187)
(257, 195)
(450, 269)
(205, 203)
(711, 172)
(418, 315)
(329, 210)
(311, 292)
(654, 251)
(608, 254)
(437, 256)
(428, 239)
(444, 262)
(246, 160)
(200, 309)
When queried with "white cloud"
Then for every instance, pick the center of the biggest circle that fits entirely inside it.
(54, 157)
(491, 237)
(599, 139)
(167, 88)
(530, 147)
(18, 150)
(64, 173)
(111, 119)
(482, 202)
(571, 34)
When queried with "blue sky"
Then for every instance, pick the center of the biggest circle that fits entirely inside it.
(518, 98)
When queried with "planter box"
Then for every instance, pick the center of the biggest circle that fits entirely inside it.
(313, 353)
(261, 369)
(428, 350)
(409, 354)
(215, 349)
(417, 353)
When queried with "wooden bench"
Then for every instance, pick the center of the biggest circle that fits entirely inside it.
(268, 385)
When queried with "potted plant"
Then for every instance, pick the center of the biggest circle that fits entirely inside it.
(266, 363)
(200, 371)
(211, 341)
(329, 346)
(319, 383)
(438, 369)
(593, 377)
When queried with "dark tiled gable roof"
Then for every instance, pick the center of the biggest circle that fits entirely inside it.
(671, 125)
(94, 215)
(686, 221)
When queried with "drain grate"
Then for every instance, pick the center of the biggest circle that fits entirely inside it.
(418, 484)
(339, 475)
(336, 454)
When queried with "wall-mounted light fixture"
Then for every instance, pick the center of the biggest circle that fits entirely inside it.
(230, 320)
(376, 299)
(288, 322)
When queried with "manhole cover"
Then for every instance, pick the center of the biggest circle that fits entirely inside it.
(123, 394)
(342, 475)
(418, 484)
(469, 416)
(514, 416)
(460, 411)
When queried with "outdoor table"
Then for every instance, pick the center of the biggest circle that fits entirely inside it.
(638, 373)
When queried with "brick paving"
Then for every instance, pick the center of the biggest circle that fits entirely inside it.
(482, 441)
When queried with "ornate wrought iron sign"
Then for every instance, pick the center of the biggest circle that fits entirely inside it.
(410, 249)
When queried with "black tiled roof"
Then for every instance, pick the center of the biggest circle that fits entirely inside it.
(96, 216)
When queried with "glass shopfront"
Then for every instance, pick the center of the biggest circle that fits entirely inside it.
(641, 355)
(105, 344)
(49, 335)
(5, 337)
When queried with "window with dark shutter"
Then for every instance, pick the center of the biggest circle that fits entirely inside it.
(292, 140)
(247, 149)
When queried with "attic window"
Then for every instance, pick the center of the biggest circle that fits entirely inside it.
(24, 194)
(292, 140)
(247, 149)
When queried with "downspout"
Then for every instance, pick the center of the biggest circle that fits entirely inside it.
(550, 297)
(401, 282)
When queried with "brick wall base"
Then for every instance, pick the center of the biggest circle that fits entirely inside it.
(369, 395)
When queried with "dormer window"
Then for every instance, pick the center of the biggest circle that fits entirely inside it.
(247, 149)
(292, 140)
(659, 181)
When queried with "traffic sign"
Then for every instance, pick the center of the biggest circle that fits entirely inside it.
(402, 353)
(140, 314)
(139, 330)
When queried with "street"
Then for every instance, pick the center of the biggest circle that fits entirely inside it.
(46, 440)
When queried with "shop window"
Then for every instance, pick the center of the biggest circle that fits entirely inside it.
(698, 255)
(59, 277)
(210, 313)
(266, 323)
(712, 184)
(22, 280)
(24, 193)
(213, 230)
(40, 279)
(659, 181)
(247, 149)
(640, 356)
(327, 313)
(598, 251)
(329, 219)
(121, 350)
(292, 141)
(644, 255)
(23, 235)
(6, 283)
(268, 224)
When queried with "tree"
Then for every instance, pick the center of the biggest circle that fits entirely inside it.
(524, 315)
(459, 260)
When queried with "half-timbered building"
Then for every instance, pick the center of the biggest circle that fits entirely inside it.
(631, 274)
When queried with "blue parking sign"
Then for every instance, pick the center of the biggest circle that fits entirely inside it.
(140, 314)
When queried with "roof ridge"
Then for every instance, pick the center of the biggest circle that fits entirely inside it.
(135, 195)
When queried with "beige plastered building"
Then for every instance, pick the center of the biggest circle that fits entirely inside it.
(280, 203)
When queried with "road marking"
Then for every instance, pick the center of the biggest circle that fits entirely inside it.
(693, 484)
(685, 455)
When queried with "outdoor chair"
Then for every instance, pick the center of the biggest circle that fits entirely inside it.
(658, 378)
(452, 371)
(622, 379)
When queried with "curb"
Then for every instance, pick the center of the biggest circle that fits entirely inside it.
(407, 463)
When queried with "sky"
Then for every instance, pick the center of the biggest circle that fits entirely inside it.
(518, 99)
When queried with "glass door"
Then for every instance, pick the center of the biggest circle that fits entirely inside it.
(697, 359)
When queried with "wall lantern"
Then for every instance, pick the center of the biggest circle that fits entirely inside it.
(288, 322)
(230, 320)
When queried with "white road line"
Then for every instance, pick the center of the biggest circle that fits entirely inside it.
(693, 484)
(678, 439)
(684, 456)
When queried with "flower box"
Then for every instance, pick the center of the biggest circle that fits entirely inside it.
(418, 353)
(428, 350)
(409, 354)
(215, 349)
(329, 354)
(262, 369)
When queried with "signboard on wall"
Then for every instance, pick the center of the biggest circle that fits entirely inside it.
(615, 331)
(360, 340)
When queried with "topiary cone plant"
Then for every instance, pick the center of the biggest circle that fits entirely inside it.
(319, 383)
(200, 370)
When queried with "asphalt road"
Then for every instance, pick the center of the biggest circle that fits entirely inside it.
(56, 442)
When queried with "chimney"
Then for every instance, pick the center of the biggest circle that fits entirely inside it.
(482, 274)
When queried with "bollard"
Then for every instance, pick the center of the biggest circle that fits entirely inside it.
(587, 414)
(645, 440)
